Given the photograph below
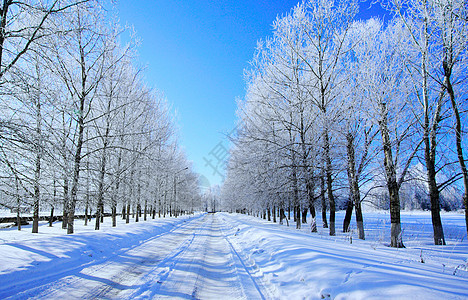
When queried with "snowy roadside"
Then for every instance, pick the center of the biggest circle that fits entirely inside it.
(29, 259)
(296, 264)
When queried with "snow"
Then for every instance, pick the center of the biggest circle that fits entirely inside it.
(301, 265)
(233, 256)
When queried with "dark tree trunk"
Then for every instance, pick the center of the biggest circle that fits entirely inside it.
(98, 217)
(331, 197)
(304, 215)
(359, 220)
(458, 138)
(348, 215)
(127, 220)
(86, 214)
(396, 239)
(283, 217)
(439, 238)
(114, 215)
(77, 158)
(65, 204)
(353, 181)
(137, 213)
(51, 219)
(102, 212)
(310, 195)
(324, 202)
(297, 211)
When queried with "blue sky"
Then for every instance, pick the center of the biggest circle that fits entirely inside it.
(195, 52)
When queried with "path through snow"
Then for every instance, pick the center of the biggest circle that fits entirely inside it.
(194, 260)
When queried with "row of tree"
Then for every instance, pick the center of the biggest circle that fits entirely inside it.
(340, 110)
(80, 129)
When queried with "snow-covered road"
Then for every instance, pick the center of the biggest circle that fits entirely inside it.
(193, 260)
(233, 256)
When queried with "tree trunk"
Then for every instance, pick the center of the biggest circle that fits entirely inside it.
(283, 217)
(430, 143)
(114, 214)
(159, 208)
(76, 172)
(331, 197)
(348, 215)
(359, 220)
(434, 194)
(304, 215)
(86, 214)
(37, 172)
(102, 212)
(102, 172)
(310, 195)
(458, 139)
(353, 181)
(324, 202)
(396, 239)
(51, 218)
(127, 220)
(65, 203)
(137, 219)
(297, 211)
(98, 217)
(18, 205)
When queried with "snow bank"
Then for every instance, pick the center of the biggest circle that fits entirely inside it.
(30, 259)
(296, 264)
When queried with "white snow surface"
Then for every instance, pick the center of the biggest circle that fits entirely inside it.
(233, 256)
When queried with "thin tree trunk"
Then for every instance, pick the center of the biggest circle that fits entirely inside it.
(359, 220)
(324, 202)
(18, 205)
(351, 170)
(114, 215)
(458, 138)
(86, 214)
(76, 172)
(331, 197)
(51, 218)
(65, 203)
(127, 220)
(430, 143)
(396, 239)
(348, 214)
(310, 195)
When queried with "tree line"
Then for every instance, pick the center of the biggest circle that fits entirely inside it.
(80, 129)
(343, 111)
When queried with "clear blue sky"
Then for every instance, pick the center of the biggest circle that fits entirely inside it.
(195, 52)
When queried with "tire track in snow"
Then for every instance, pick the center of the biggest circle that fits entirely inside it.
(49, 285)
(207, 269)
(261, 289)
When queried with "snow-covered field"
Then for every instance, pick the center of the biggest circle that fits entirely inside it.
(232, 256)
